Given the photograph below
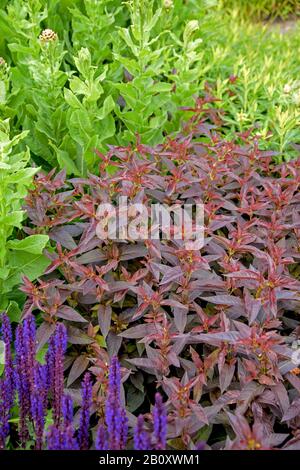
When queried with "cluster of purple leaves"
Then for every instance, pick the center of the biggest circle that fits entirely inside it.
(214, 328)
(39, 392)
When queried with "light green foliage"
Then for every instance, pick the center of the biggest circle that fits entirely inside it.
(118, 69)
(17, 256)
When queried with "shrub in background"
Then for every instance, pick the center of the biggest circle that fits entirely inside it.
(73, 95)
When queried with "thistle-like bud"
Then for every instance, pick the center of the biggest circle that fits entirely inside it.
(2, 62)
(48, 35)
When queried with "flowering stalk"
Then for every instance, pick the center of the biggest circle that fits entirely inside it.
(39, 403)
(68, 440)
(9, 372)
(56, 370)
(124, 429)
(30, 349)
(86, 393)
(4, 426)
(160, 423)
(141, 437)
(62, 437)
(53, 438)
(101, 441)
(22, 384)
(113, 415)
(67, 410)
(7, 383)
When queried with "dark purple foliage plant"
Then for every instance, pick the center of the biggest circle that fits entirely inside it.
(214, 330)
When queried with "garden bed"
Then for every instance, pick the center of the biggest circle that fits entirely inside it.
(122, 329)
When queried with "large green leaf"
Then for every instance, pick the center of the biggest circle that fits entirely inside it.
(32, 244)
(24, 264)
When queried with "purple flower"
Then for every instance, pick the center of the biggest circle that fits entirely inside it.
(6, 334)
(50, 362)
(58, 347)
(83, 432)
(30, 348)
(53, 438)
(7, 383)
(68, 441)
(22, 383)
(4, 426)
(200, 445)
(38, 419)
(113, 415)
(39, 403)
(30, 381)
(141, 437)
(101, 441)
(124, 429)
(160, 423)
(67, 410)
(62, 438)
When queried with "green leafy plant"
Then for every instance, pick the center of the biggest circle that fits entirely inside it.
(143, 94)
(116, 69)
(18, 256)
(89, 117)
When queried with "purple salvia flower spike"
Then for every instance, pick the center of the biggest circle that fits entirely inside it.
(159, 423)
(6, 334)
(53, 439)
(101, 442)
(67, 410)
(141, 436)
(22, 384)
(113, 409)
(37, 410)
(7, 384)
(124, 430)
(30, 347)
(86, 393)
(60, 346)
(39, 403)
(50, 362)
(68, 441)
(4, 426)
